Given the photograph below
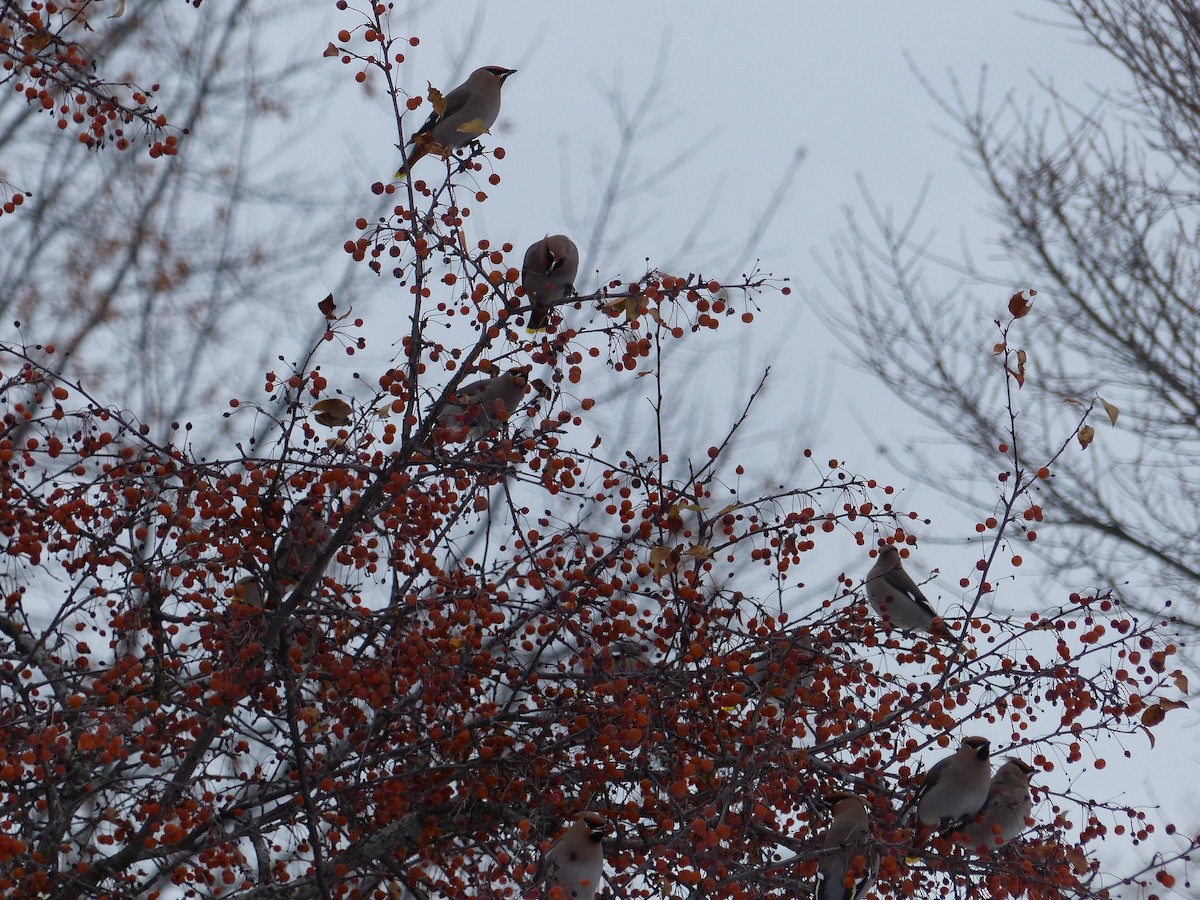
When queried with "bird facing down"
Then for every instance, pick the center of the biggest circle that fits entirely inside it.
(548, 275)
(895, 596)
(575, 862)
(470, 110)
(483, 406)
(849, 854)
(297, 550)
(1008, 805)
(957, 785)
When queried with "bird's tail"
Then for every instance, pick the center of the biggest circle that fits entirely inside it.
(414, 154)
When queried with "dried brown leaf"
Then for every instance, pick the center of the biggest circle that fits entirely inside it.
(436, 98)
(1020, 303)
(327, 307)
(332, 411)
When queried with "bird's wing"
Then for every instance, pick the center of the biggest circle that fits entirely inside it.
(899, 580)
(932, 777)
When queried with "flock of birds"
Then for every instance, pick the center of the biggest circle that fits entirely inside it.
(983, 811)
(959, 792)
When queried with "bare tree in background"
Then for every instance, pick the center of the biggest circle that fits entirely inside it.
(1097, 207)
(146, 272)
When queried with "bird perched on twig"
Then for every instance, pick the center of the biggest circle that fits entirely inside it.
(1006, 810)
(465, 113)
(575, 862)
(954, 789)
(957, 786)
(895, 596)
(850, 863)
(548, 275)
(483, 406)
(297, 551)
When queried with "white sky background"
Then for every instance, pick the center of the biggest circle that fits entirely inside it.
(756, 82)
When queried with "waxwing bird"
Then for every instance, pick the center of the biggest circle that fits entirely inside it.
(895, 596)
(785, 668)
(548, 275)
(1008, 805)
(470, 110)
(297, 551)
(484, 405)
(957, 785)
(850, 863)
(247, 590)
(575, 861)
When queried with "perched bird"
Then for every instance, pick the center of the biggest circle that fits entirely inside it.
(247, 590)
(895, 596)
(297, 550)
(849, 852)
(575, 861)
(470, 110)
(485, 405)
(957, 785)
(548, 275)
(785, 668)
(1008, 806)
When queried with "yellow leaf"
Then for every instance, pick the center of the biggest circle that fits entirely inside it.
(333, 411)
(1077, 859)
(438, 101)
(631, 306)
(1112, 411)
(659, 554)
(474, 127)
(1086, 434)
(665, 560)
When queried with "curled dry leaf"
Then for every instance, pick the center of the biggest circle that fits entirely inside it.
(1020, 303)
(327, 306)
(1078, 859)
(1086, 434)
(665, 560)
(1019, 372)
(331, 50)
(332, 411)
(436, 98)
(1154, 715)
(631, 306)
(1112, 411)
